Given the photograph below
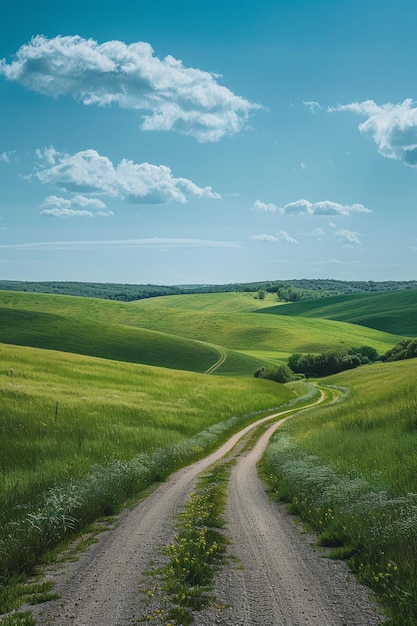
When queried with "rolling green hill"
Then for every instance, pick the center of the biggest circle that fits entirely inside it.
(95, 328)
(188, 332)
(392, 312)
(233, 320)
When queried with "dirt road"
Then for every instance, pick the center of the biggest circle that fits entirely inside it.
(282, 581)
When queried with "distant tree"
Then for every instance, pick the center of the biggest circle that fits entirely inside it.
(280, 374)
(404, 349)
(261, 294)
(367, 354)
(324, 364)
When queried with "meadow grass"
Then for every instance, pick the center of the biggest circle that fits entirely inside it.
(81, 435)
(350, 470)
(392, 311)
(53, 331)
(235, 322)
(230, 320)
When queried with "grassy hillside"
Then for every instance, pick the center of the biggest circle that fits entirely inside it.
(106, 410)
(230, 320)
(391, 312)
(350, 469)
(109, 341)
(233, 320)
(105, 329)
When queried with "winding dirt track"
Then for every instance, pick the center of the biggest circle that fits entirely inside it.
(282, 581)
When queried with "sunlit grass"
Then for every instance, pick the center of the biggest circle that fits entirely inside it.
(230, 320)
(62, 413)
(79, 436)
(392, 312)
(350, 469)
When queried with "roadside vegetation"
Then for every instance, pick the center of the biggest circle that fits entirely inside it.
(350, 470)
(80, 436)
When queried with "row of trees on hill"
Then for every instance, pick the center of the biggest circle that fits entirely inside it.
(328, 363)
(286, 290)
(319, 365)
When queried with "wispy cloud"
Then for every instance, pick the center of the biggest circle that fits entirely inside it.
(393, 127)
(317, 232)
(282, 235)
(348, 237)
(305, 207)
(313, 106)
(170, 96)
(8, 156)
(161, 242)
(264, 237)
(141, 183)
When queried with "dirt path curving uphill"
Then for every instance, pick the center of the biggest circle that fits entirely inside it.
(282, 582)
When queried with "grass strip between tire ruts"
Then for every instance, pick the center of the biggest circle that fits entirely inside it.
(198, 548)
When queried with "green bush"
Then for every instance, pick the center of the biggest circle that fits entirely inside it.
(281, 374)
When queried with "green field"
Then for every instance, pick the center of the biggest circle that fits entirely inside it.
(101, 398)
(391, 312)
(350, 469)
(189, 332)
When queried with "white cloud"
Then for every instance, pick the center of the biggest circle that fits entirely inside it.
(393, 127)
(264, 237)
(281, 236)
(286, 237)
(264, 208)
(312, 105)
(348, 237)
(55, 206)
(317, 232)
(66, 213)
(157, 242)
(6, 157)
(324, 207)
(170, 96)
(89, 172)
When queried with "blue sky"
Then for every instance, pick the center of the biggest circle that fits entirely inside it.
(185, 142)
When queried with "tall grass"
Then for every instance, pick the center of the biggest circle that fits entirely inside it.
(351, 471)
(80, 435)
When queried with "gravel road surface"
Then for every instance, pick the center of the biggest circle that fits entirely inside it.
(279, 579)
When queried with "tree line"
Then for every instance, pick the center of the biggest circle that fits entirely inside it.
(329, 363)
(286, 290)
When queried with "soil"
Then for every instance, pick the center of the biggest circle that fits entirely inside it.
(278, 576)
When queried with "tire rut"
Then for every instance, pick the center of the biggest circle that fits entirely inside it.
(281, 579)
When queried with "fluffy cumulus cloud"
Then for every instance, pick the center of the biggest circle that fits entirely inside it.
(348, 237)
(89, 172)
(170, 97)
(324, 207)
(262, 207)
(305, 207)
(78, 206)
(393, 127)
